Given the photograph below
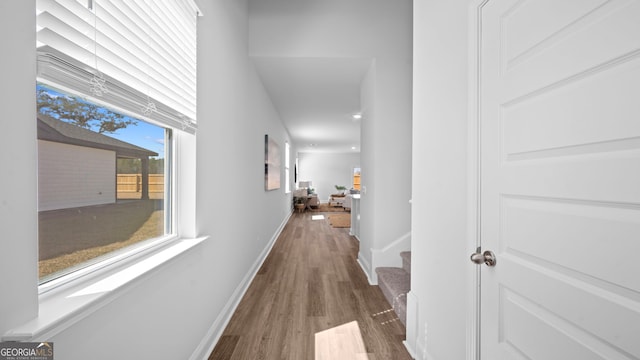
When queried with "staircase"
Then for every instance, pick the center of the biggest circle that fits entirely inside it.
(395, 283)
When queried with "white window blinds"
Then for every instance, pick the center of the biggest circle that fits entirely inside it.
(146, 51)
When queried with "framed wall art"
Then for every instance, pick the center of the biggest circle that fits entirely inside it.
(271, 164)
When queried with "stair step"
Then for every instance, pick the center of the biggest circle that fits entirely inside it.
(406, 261)
(395, 283)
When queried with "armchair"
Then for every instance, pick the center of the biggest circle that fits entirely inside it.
(346, 204)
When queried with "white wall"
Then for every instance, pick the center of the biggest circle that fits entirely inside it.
(368, 179)
(177, 310)
(376, 29)
(18, 201)
(326, 170)
(439, 289)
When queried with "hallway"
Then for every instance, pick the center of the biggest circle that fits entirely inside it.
(310, 282)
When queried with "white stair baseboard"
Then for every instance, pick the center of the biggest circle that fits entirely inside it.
(388, 256)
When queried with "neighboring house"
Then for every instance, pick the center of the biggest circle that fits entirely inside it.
(78, 166)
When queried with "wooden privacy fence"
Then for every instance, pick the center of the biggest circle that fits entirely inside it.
(132, 183)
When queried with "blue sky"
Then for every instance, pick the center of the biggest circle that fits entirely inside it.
(143, 134)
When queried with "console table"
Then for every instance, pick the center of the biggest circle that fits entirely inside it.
(336, 199)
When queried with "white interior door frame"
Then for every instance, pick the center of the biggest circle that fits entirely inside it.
(473, 171)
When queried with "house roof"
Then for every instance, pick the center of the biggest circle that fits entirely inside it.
(51, 129)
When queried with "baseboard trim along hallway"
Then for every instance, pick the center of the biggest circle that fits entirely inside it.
(215, 331)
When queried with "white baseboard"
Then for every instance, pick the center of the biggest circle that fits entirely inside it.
(410, 350)
(214, 333)
(365, 266)
(389, 256)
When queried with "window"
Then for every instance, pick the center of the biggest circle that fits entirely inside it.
(116, 84)
(103, 182)
(287, 176)
(356, 178)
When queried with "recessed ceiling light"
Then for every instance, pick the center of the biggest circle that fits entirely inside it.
(357, 116)
(353, 148)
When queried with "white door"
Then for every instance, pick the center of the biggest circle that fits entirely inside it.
(559, 178)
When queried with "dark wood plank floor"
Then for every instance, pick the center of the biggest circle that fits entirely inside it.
(310, 282)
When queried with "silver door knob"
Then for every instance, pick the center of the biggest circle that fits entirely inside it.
(488, 258)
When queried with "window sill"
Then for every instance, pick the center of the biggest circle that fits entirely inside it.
(62, 308)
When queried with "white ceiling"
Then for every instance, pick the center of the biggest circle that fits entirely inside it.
(316, 99)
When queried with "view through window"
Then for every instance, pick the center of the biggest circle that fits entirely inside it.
(102, 182)
(287, 180)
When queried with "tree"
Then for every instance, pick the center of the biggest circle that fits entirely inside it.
(156, 166)
(134, 166)
(129, 166)
(80, 113)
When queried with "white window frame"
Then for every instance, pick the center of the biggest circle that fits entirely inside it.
(66, 300)
(116, 258)
(287, 173)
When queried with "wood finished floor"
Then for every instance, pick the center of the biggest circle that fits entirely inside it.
(310, 282)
